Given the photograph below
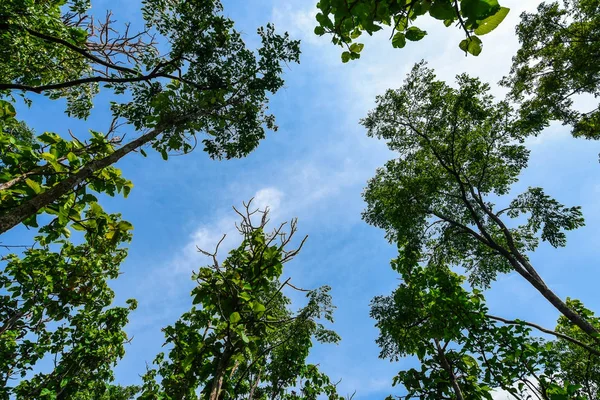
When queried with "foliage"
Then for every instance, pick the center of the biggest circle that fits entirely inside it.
(457, 149)
(54, 310)
(346, 20)
(558, 59)
(463, 351)
(576, 365)
(29, 168)
(210, 82)
(55, 304)
(9, 125)
(24, 25)
(240, 339)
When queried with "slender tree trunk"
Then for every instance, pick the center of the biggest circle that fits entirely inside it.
(20, 213)
(560, 305)
(446, 365)
(254, 386)
(220, 374)
(515, 257)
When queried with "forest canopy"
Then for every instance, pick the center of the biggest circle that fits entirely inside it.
(125, 133)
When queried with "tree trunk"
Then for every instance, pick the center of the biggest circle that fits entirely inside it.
(561, 306)
(20, 213)
(446, 365)
(220, 374)
(521, 264)
(254, 386)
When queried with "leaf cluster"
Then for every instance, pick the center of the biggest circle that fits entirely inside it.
(55, 308)
(558, 60)
(346, 20)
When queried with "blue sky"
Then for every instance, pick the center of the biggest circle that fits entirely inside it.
(315, 168)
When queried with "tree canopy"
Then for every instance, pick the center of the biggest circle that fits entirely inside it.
(464, 352)
(210, 84)
(558, 61)
(456, 147)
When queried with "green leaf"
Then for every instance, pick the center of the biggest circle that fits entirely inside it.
(356, 47)
(48, 157)
(414, 34)
(258, 307)
(490, 23)
(31, 221)
(48, 393)
(49, 138)
(319, 30)
(244, 337)
(125, 226)
(78, 226)
(33, 185)
(345, 56)
(127, 189)
(245, 296)
(442, 10)
(235, 318)
(7, 110)
(399, 40)
(421, 7)
(472, 45)
(143, 153)
(478, 9)
(355, 34)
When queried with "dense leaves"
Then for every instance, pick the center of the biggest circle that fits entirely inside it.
(31, 167)
(240, 339)
(559, 59)
(55, 301)
(346, 20)
(576, 365)
(55, 309)
(24, 32)
(463, 351)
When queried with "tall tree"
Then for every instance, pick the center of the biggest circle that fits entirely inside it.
(240, 340)
(208, 83)
(346, 20)
(559, 59)
(458, 150)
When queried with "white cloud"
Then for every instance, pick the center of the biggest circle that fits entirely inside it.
(299, 22)
(208, 235)
(268, 198)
